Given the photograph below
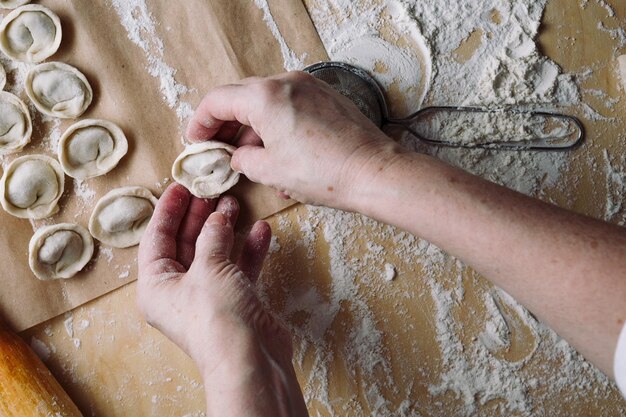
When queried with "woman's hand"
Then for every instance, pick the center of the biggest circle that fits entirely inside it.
(300, 136)
(190, 289)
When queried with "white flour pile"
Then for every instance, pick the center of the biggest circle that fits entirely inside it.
(336, 322)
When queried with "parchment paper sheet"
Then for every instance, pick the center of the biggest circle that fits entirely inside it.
(208, 42)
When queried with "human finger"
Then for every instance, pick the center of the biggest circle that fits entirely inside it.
(229, 207)
(252, 161)
(248, 137)
(282, 195)
(159, 239)
(228, 103)
(228, 132)
(215, 241)
(197, 213)
(254, 250)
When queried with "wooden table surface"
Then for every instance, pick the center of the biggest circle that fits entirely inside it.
(113, 364)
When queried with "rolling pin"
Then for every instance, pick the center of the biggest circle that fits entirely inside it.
(27, 388)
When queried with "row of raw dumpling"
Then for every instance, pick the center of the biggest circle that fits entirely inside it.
(31, 186)
(56, 89)
(119, 219)
(33, 33)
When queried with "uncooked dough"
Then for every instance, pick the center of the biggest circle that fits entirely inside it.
(12, 4)
(58, 90)
(91, 147)
(122, 215)
(30, 33)
(3, 77)
(59, 251)
(204, 168)
(16, 126)
(31, 187)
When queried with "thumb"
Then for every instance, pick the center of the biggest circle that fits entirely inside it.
(251, 161)
(216, 239)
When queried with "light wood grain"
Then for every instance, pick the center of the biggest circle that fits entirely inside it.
(27, 388)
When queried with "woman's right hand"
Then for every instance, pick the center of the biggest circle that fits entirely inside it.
(300, 136)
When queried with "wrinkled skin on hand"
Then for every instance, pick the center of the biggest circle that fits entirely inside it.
(191, 290)
(296, 134)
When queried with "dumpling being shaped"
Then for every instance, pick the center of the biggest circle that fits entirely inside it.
(91, 147)
(204, 168)
(30, 33)
(58, 90)
(59, 251)
(122, 215)
(31, 187)
(16, 126)
(12, 4)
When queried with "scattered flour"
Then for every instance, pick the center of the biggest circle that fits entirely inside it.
(68, 323)
(107, 253)
(82, 325)
(506, 69)
(290, 60)
(142, 31)
(616, 188)
(82, 191)
(40, 348)
(53, 134)
(390, 272)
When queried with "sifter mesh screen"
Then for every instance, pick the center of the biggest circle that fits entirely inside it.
(353, 86)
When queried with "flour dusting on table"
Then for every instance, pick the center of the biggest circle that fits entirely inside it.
(142, 31)
(485, 363)
(291, 61)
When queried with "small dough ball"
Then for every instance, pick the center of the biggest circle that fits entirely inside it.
(204, 168)
(59, 251)
(91, 148)
(31, 187)
(30, 33)
(16, 126)
(12, 4)
(58, 90)
(120, 217)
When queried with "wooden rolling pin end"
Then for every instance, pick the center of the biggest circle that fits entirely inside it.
(27, 388)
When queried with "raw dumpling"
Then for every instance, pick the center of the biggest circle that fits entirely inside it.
(15, 124)
(3, 77)
(58, 90)
(122, 215)
(31, 187)
(204, 168)
(59, 251)
(91, 147)
(30, 33)
(12, 4)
